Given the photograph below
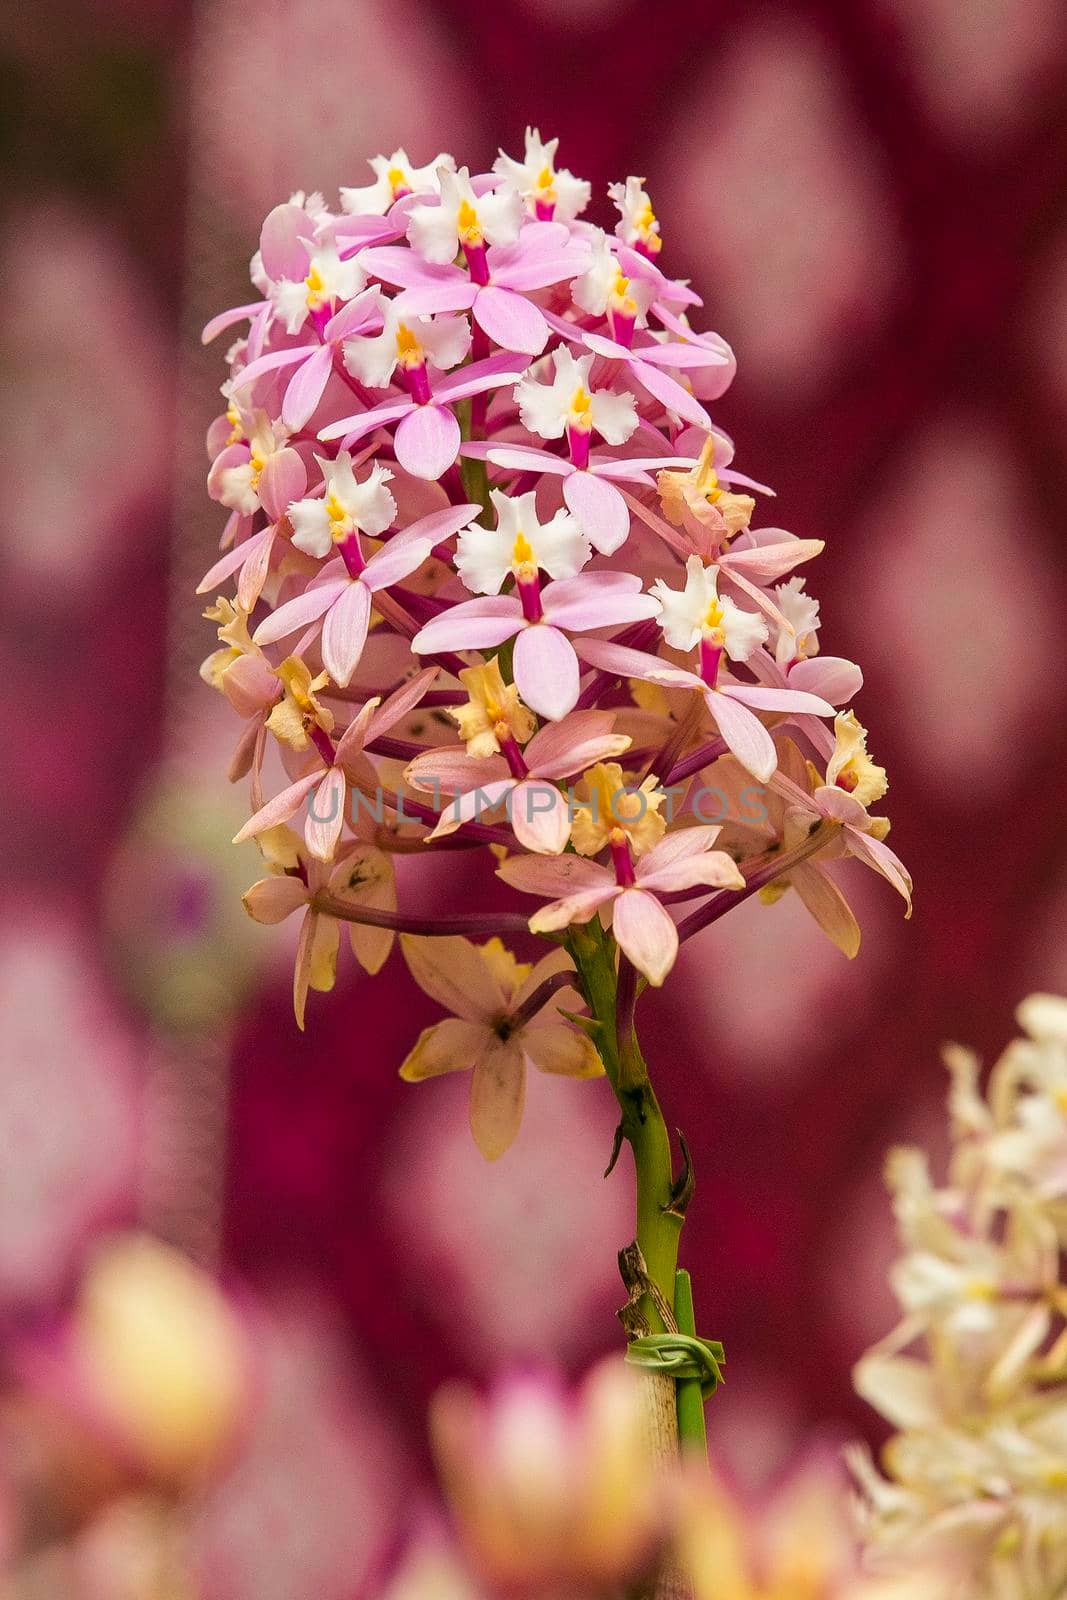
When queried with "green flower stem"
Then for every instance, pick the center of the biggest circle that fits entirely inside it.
(692, 1435)
(642, 1124)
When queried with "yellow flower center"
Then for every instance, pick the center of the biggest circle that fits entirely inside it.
(470, 229)
(257, 461)
(713, 618)
(522, 557)
(629, 807)
(545, 180)
(581, 416)
(316, 289)
(408, 349)
(398, 179)
(340, 522)
(710, 486)
(493, 712)
(620, 298)
(616, 813)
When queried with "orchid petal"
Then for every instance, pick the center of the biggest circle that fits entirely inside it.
(345, 632)
(364, 422)
(353, 316)
(281, 242)
(564, 1051)
(449, 770)
(427, 441)
(233, 559)
(493, 372)
(283, 480)
(628, 663)
(326, 816)
(646, 933)
(280, 808)
(878, 855)
(546, 670)
(670, 393)
(473, 625)
(226, 319)
(405, 269)
(744, 733)
(600, 510)
(596, 600)
(271, 900)
(510, 321)
(306, 389)
(449, 1046)
(561, 748)
(452, 972)
(769, 561)
(540, 816)
(832, 677)
(823, 899)
(789, 700)
(680, 356)
(297, 613)
(498, 1095)
(539, 269)
(399, 704)
(253, 574)
(520, 458)
(423, 300)
(274, 362)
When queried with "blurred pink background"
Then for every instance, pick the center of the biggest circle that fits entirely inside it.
(870, 197)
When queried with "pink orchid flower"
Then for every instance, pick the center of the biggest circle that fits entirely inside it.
(341, 597)
(545, 665)
(258, 469)
(294, 884)
(732, 705)
(645, 364)
(711, 380)
(833, 678)
(527, 778)
(314, 361)
(837, 805)
(493, 286)
(627, 890)
(340, 768)
(589, 491)
(302, 276)
(497, 1029)
(428, 437)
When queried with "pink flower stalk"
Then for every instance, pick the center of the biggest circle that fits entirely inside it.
(428, 371)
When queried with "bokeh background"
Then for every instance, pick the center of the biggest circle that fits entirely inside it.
(871, 195)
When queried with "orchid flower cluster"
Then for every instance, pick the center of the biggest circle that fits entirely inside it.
(498, 588)
(975, 1375)
(497, 585)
